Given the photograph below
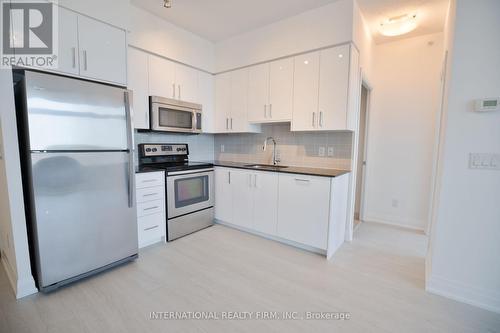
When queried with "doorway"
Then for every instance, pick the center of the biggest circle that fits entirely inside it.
(361, 168)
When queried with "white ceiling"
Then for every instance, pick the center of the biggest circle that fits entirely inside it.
(431, 15)
(217, 20)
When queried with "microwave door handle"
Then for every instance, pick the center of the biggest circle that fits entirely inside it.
(195, 121)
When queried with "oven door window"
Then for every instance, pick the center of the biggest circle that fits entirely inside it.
(175, 118)
(189, 191)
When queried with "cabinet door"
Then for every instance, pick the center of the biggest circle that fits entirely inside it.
(138, 83)
(241, 182)
(68, 42)
(161, 77)
(238, 120)
(265, 185)
(303, 209)
(258, 93)
(186, 81)
(223, 195)
(305, 92)
(206, 92)
(103, 51)
(333, 88)
(281, 90)
(222, 102)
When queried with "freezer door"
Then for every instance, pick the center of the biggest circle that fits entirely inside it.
(72, 114)
(83, 216)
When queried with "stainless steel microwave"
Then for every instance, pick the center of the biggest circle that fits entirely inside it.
(171, 115)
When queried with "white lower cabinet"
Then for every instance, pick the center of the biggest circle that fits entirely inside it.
(308, 211)
(150, 200)
(303, 209)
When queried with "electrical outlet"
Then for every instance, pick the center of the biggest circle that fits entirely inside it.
(484, 161)
(321, 151)
(222, 148)
(395, 203)
(331, 152)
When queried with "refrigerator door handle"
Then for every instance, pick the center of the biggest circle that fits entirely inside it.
(130, 145)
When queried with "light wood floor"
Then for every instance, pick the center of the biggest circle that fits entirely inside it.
(378, 279)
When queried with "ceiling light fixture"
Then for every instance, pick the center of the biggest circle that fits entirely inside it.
(167, 3)
(398, 25)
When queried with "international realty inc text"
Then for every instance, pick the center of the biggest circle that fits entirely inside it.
(248, 315)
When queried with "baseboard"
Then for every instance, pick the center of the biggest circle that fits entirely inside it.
(21, 287)
(485, 299)
(411, 225)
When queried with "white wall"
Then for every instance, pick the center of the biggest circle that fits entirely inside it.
(402, 114)
(465, 236)
(362, 38)
(156, 35)
(14, 243)
(324, 26)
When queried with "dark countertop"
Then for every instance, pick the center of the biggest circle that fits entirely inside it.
(322, 172)
(143, 169)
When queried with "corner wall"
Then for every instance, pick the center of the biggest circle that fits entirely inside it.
(462, 262)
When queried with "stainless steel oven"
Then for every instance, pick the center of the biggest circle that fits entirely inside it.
(190, 201)
(170, 115)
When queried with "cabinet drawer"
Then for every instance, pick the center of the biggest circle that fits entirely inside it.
(150, 207)
(149, 179)
(150, 194)
(151, 229)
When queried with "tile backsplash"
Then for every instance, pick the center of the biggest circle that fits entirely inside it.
(201, 147)
(293, 148)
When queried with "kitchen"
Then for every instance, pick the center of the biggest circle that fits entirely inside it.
(188, 140)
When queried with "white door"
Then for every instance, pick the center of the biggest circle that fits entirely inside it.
(265, 195)
(222, 102)
(161, 77)
(103, 51)
(242, 193)
(68, 42)
(186, 81)
(138, 82)
(206, 92)
(303, 209)
(223, 195)
(238, 121)
(258, 93)
(281, 90)
(305, 92)
(333, 88)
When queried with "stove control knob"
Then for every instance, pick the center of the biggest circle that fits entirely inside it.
(148, 150)
(179, 149)
(155, 150)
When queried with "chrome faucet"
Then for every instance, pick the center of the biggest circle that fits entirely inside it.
(275, 160)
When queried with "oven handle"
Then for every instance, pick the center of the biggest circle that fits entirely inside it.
(189, 172)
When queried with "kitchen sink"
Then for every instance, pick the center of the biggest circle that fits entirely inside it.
(265, 166)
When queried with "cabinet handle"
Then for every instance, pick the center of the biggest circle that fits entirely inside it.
(302, 180)
(231, 122)
(250, 180)
(148, 180)
(265, 110)
(173, 90)
(85, 60)
(229, 177)
(73, 50)
(151, 228)
(179, 88)
(321, 119)
(149, 194)
(255, 181)
(270, 110)
(314, 120)
(151, 208)
(227, 123)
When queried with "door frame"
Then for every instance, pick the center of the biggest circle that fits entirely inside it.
(362, 204)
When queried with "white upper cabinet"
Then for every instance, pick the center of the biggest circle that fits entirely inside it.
(258, 93)
(280, 90)
(161, 77)
(186, 83)
(103, 51)
(138, 82)
(333, 88)
(231, 103)
(206, 97)
(68, 42)
(305, 92)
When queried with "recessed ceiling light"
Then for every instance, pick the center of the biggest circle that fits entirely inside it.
(167, 3)
(398, 25)
(306, 62)
(341, 55)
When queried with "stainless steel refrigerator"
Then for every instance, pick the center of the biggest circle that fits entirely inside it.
(78, 175)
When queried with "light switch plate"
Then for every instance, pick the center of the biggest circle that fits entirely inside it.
(331, 152)
(222, 148)
(484, 161)
(321, 151)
